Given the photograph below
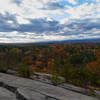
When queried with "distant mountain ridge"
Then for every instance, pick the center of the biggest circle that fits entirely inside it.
(97, 40)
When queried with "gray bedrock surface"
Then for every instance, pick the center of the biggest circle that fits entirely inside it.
(26, 89)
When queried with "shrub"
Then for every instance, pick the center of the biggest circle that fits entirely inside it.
(92, 92)
(81, 76)
(98, 82)
(3, 68)
(55, 79)
(67, 71)
(24, 71)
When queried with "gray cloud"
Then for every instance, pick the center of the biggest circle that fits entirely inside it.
(80, 26)
(53, 6)
(39, 26)
(85, 28)
(18, 2)
(5, 26)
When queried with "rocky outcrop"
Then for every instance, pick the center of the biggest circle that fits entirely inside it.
(26, 89)
(6, 95)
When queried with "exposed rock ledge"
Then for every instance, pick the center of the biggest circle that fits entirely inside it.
(15, 88)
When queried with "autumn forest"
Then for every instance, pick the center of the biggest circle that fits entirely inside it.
(78, 63)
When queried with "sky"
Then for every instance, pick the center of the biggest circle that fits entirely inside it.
(25, 21)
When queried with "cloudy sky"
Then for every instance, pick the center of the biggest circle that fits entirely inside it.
(48, 20)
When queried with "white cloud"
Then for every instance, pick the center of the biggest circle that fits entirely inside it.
(32, 9)
(28, 9)
(22, 20)
(10, 21)
(72, 1)
(33, 37)
(93, 31)
(80, 11)
(97, 0)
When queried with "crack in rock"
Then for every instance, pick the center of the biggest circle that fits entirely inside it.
(20, 96)
(26, 89)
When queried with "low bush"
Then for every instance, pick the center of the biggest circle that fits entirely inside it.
(67, 71)
(81, 76)
(3, 68)
(55, 79)
(24, 71)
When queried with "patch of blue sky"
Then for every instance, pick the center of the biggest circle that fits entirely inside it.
(59, 17)
(80, 2)
(64, 3)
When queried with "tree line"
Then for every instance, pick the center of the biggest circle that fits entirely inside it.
(78, 63)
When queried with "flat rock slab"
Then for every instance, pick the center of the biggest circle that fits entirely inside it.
(75, 89)
(30, 95)
(41, 90)
(6, 95)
